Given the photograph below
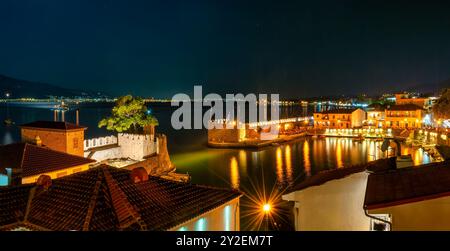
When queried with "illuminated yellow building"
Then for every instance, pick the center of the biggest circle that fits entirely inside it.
(375, 116)
(56, 135)
(339, 118)
(404, 116)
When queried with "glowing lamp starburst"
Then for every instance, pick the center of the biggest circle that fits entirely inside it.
(266, 208)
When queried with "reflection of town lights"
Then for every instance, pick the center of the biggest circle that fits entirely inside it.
(266, 208)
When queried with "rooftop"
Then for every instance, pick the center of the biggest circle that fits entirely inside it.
(408, 185)
(55, 125)
(375, 107)
(335, 174)
(339, 111)
(405, 107)
(106, 198)
(33, 160)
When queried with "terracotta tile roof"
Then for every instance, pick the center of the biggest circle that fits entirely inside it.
(13, 201)
(408, 185)
(339, 111)
(33, 160)
(405, 107)
(106, 198)
(334, 174)
(55, 125)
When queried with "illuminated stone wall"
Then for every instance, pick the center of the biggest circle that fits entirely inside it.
(223, 135)
(137, 146)
(71, 142)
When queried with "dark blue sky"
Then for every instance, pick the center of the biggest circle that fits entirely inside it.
(159, 48)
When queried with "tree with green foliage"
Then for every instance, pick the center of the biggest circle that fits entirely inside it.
(129, 115)
(441, 109)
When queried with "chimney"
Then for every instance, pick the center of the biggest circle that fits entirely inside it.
(44, 181)
(38, 140)
(138, 174)
(78, 116)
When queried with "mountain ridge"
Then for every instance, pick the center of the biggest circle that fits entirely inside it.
(18, 88)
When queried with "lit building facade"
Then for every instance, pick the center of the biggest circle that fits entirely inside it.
(407, 116)
(223, 218)
(59, 136)
(405, 98)
(339, 118)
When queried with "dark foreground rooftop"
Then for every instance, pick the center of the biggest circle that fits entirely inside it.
(320, 178)
(106, 198)
(31, 160)
(408, 185)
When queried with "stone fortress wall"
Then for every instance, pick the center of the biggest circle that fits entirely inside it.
(125, 145)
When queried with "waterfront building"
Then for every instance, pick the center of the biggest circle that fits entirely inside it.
(339, 118)
(105, 198)
(235, 134)
(405, 116)
(375, 116)
(57, 135)
(407, 98)
(23, 163)
(378, 196)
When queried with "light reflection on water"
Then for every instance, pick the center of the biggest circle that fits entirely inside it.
(281, 164)
(325, 154)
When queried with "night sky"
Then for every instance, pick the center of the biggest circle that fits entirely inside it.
(159, 48)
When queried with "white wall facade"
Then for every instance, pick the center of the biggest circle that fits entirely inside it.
(125, 145)
(427, 215)
(104, 154)
(358, 116)
(137, 146)
(334, 205)
(223, 218)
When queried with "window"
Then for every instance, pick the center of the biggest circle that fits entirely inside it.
(380, 225)
(75, 143)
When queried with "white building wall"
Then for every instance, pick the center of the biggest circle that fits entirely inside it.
(335, 205)
(100, 155)
(136, 146)
(427, 215)
(125, 145)
(358, 116)
(223, 218)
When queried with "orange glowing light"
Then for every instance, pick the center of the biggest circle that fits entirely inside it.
(266, 208)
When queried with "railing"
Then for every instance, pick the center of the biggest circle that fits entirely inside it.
(100, 141)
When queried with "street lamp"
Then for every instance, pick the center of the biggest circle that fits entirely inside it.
(266, 208)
